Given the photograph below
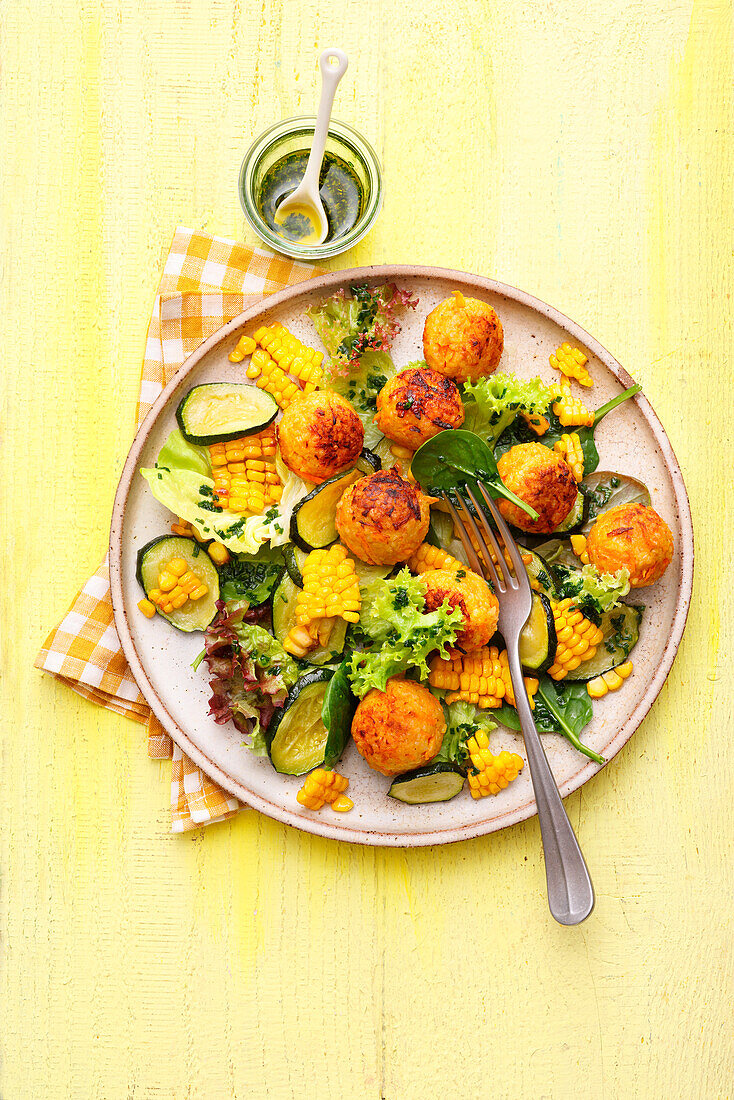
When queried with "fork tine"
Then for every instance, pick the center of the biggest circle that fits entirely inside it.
(471, 553)
(490, 537)
(515, 555)
(496, 574)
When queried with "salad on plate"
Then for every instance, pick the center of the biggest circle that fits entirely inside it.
(312, 545)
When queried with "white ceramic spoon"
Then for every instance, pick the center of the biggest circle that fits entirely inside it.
(305, 201)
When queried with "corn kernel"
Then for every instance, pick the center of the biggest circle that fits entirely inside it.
(147, 608)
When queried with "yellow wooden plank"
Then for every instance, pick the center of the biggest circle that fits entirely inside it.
(579, 150)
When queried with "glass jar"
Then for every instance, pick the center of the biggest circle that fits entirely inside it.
(295, 135)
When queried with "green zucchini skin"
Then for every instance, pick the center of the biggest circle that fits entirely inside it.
(313, 523)
(609, 654)
(538, 639)
(539, 570)
(294, 557)
(575, 518)
(159, 551)
(256, 423)
(437, 782)
(337, 713)
(284, 723)
(369, 462)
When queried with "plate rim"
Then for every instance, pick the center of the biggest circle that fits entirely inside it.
(337, 830)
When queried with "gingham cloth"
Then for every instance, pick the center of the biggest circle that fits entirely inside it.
(206, 282)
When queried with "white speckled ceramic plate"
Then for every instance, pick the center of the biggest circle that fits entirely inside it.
(630, 440)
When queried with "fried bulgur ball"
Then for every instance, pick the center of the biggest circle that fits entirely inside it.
(463, 338)
(383, 518)
(400, 728)
(634, 537)
(467, 590)
(319, 435)
(417, 404)
(543, 480)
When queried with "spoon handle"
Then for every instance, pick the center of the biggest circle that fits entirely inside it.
(333, 64)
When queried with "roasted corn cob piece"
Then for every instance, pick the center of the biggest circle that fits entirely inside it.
(176, 585)
(570, 410)
(404, 457)
(292, 356)
(323, 786)
(243, 480)
(183, 528)
(569, 448)
(609, 681)
(491, 774)
(267, 375)
(427, 558)
(330, 590)
(578, 545)
(578, 638)
(572, 363)
(537, 423)
(482, 678)
(245, 346)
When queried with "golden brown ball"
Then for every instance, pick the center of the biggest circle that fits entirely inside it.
(463, 338)
(467, 590)
(319, 435)
(417, 404)
(543, 480)
(633, 537)
(400, 728)
(383, 518)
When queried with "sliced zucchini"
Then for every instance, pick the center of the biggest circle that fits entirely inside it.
(219, 411)
(621, 629)
(538, 642)
(538, 570)
(298, 736)
(283, 609)
(369, 462)
(605, 490)
(575, 517)
(195, 614)
(434, 783)
(294, 558)
(558, 552)
(313, 524)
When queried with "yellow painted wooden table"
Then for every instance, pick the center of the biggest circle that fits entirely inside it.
(581, 151)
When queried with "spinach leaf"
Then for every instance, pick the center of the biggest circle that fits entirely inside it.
(454, 457)
(586, 435)
(337, 713)
(559, 708)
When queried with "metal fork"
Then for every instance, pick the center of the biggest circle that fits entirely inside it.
(570, 893)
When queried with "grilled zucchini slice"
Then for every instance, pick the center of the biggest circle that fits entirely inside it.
(434, 783)
(538, 570)
(369, 462)
(575, 517)
(298, 736)
(294, 558)
(283, 609)
(621, 629)
(538, 641)
(195, 614)
(313, 524)
(219, 411)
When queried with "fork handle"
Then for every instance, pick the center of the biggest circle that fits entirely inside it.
(570, 892)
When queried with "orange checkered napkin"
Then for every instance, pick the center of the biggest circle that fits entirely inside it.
(206, 282)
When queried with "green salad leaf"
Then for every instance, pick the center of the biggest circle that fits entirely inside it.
(181, 481)
(351, 325)
(492, 404)
(398, 632)
(266, 651)
(456, 457)
(594, 592)
(462, 722)
(559, 708)
(361, 386)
